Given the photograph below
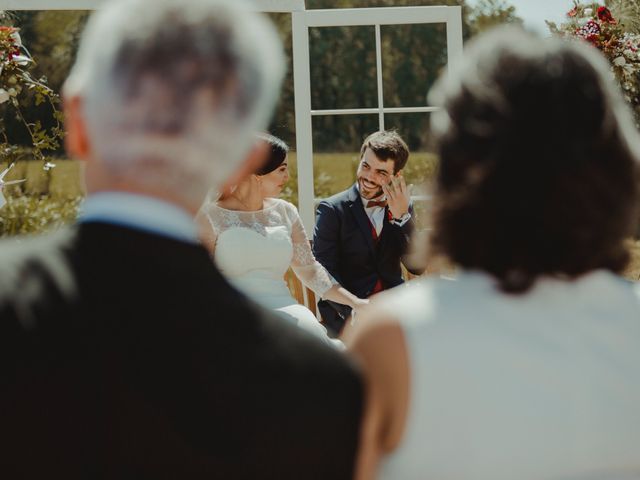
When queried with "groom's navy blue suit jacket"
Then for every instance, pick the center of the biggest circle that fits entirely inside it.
(343, 243)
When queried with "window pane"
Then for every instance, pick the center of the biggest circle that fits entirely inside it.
(343, 67)
(413, 56)
(336, 143)
(414, 129)
(421, 167)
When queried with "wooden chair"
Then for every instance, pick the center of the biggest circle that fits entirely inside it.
(303, 295)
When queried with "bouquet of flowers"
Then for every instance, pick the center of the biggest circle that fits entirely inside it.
(18, 87)
(614, 29)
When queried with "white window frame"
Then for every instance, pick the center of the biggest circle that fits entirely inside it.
(302, 20)
(451, 16)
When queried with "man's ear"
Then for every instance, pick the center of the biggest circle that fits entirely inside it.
(398, 173)
(254, 159)
(76, 139)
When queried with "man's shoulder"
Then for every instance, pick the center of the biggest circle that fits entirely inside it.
(43, 253)
(36, 274)
(340, 198)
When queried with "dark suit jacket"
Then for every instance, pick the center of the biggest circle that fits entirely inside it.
(126, 355)
(343, 243)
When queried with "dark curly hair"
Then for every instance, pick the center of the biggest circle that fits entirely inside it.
(538, 158)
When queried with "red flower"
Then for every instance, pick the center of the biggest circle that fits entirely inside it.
(594, 40)
(13, 53)
(572, 13)
(604, 14)
(589, 29)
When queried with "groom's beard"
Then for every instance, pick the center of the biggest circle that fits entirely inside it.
(369, 192)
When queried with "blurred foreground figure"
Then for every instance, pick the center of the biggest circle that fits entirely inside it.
(527, 365)
(124, 354)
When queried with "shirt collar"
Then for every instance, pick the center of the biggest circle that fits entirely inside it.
(140, 212)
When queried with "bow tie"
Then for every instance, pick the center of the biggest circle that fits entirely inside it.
(376, 203)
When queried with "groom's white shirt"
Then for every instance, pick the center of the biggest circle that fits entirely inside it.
(140, 212)
(375, 214)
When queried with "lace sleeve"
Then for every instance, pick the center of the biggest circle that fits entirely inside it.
(206, 231)
(305, 266)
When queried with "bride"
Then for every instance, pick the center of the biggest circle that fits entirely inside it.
(254, 238)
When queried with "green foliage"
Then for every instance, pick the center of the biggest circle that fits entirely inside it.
(50, 200)
(608, 30)
(34, 214)
(343, 69)
(627, 12)
(21, 94)
(53, 37)
(490, 13)
(46, 201)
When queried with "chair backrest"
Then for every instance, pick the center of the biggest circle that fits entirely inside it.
(303, 295)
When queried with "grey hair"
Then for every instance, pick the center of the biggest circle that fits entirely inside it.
(173, 90)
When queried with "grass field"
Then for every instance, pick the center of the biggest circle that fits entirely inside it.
(62, 181)
(333, 172)
(51, 198)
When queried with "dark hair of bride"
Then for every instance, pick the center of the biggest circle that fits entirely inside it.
(277, 153)
(538, 153)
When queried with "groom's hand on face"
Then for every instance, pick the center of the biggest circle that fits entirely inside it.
(398, 196)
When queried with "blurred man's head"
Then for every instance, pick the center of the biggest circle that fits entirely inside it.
(538, 160)
(166, 95)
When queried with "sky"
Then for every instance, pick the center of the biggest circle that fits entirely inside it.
(535, 12)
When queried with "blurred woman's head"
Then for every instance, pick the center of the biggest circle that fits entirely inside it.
(274, 173)
(538, 160)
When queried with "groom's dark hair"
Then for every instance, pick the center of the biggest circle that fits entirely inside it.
(538, 161)
(387, 145)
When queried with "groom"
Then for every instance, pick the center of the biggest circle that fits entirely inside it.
(361, 234)
(124, 354)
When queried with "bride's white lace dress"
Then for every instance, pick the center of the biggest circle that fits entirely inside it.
(255, 249)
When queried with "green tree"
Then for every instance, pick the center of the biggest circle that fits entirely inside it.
(343, 68)
(490, 13)
(52, 37)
